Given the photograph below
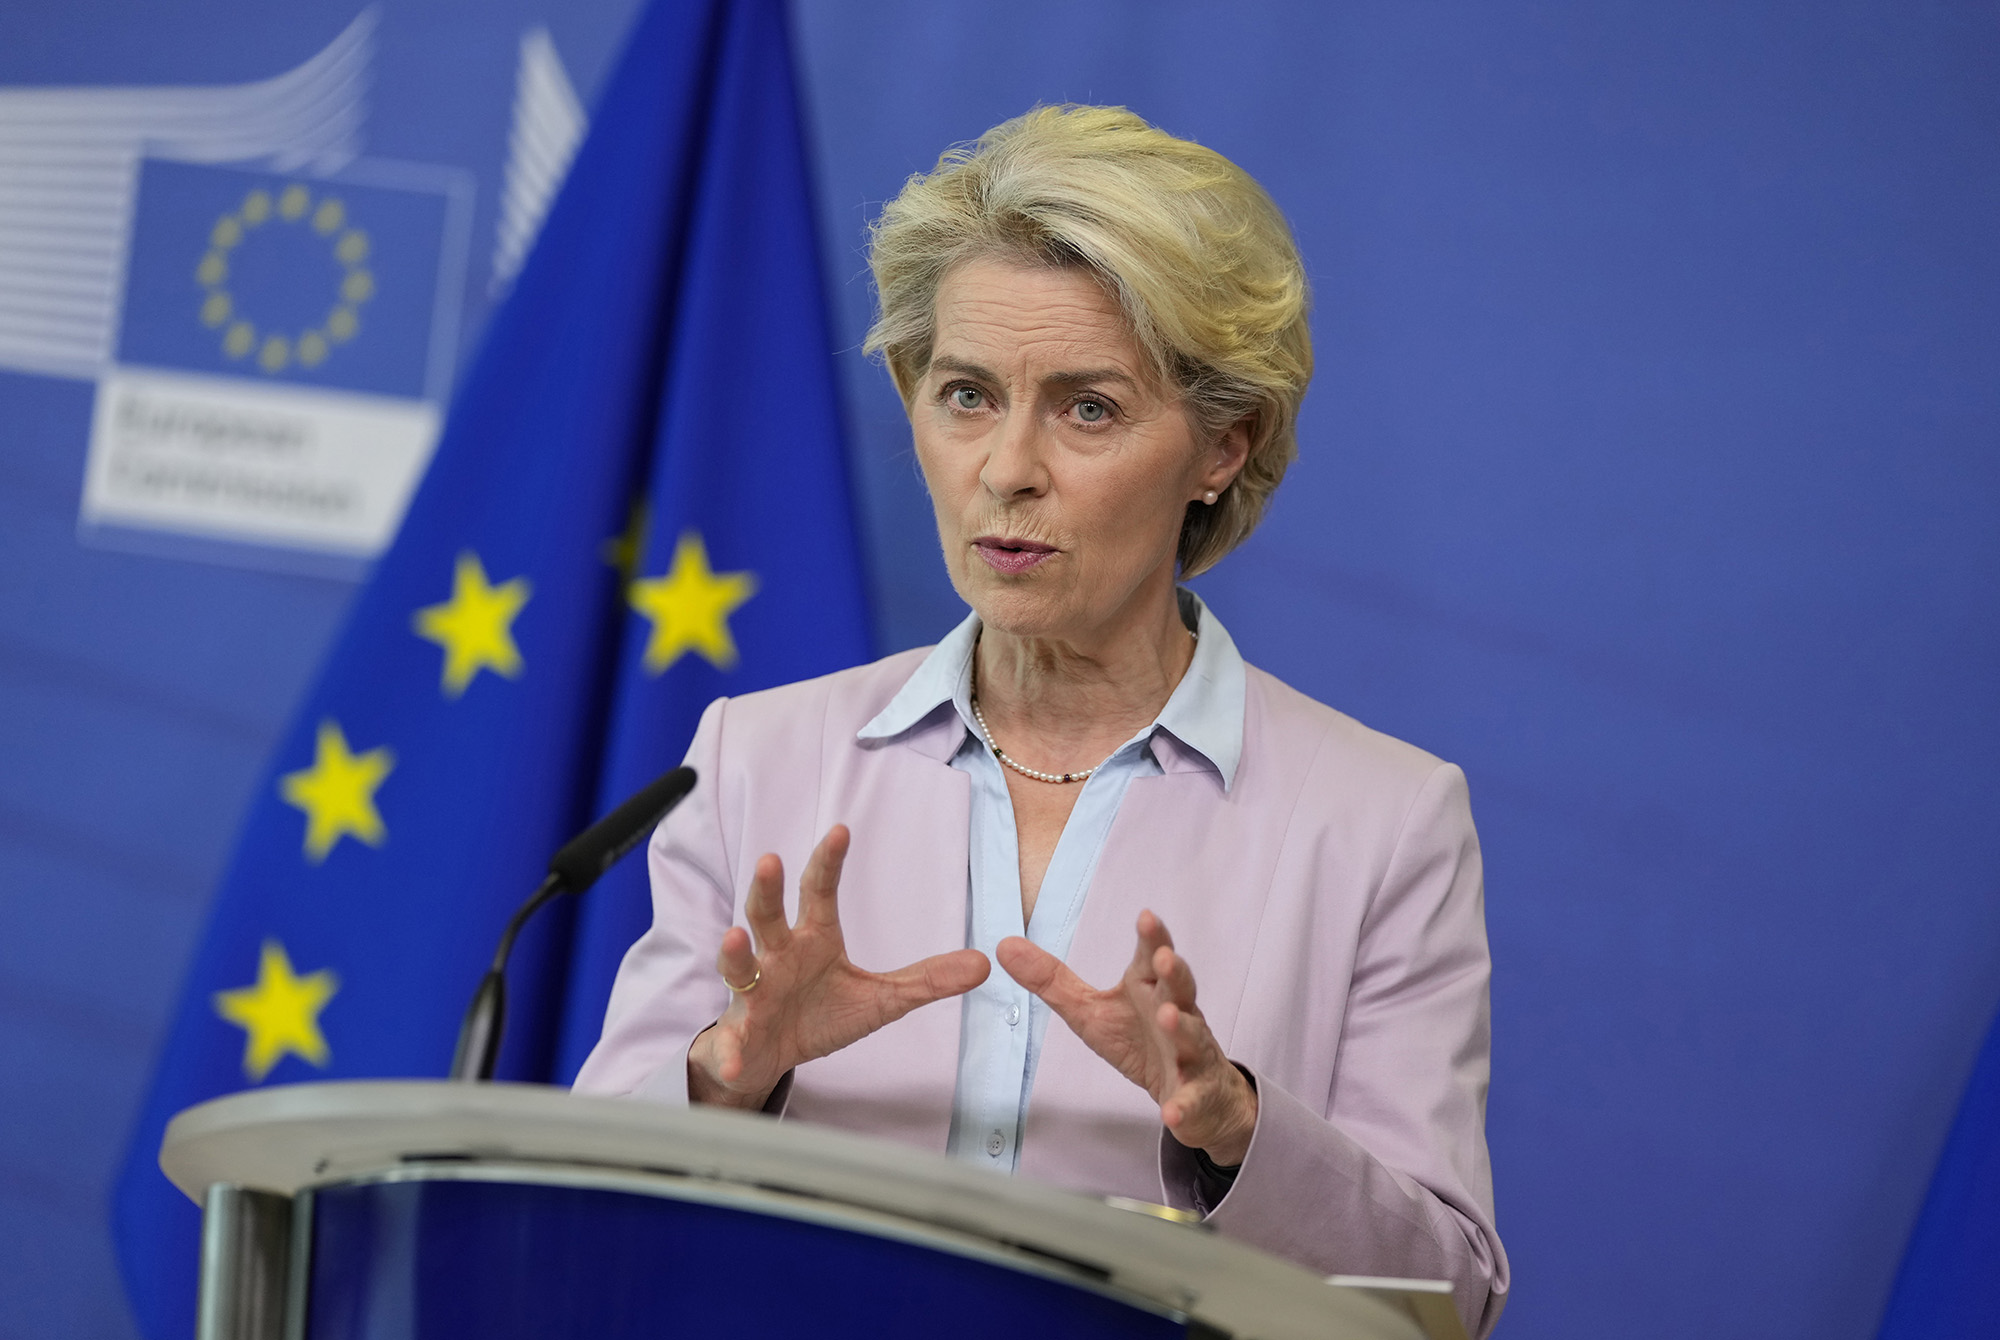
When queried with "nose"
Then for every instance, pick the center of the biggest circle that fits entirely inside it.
(1014, 466)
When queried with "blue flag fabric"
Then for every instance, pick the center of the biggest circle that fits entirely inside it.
(639, 503)
(1950, 1281)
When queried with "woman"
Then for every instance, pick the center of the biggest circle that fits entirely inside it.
(1100, 334)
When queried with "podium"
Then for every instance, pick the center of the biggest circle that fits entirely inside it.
(439, 1211)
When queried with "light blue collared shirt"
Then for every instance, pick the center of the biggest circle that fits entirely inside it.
(1002, 1025)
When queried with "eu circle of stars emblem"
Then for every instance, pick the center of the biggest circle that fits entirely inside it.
(294, 207)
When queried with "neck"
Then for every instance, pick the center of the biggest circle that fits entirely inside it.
(1062, 703)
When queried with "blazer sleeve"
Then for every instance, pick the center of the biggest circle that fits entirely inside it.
(1387, 1174)
(667, 989)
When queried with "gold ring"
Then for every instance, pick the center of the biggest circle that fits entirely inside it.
(746, 989)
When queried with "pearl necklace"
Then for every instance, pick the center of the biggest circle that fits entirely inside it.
(1024, 770)
(1001, 754)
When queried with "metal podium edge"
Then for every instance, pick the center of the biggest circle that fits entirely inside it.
(290, 1138)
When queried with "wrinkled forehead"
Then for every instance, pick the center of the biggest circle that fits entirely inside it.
(1015, 319)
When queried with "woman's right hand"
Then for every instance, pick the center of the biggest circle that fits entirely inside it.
(795, 996)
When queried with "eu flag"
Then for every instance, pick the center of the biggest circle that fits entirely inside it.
(639, 503)
(1950, 1281)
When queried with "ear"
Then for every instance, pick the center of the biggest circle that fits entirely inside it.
(1228, 456)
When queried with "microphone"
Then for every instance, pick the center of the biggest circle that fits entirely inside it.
(575, 868)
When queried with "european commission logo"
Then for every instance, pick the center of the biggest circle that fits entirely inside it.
(271, 319)
(281, 358)
(295, 280)
(220, 308)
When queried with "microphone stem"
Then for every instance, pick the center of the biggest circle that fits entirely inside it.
(551, 888)
(571, 870)
(479, 1034)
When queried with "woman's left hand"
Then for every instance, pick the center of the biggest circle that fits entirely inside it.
(1148, 1027)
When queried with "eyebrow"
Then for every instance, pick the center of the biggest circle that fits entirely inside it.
(947, 363)
(1082, 377)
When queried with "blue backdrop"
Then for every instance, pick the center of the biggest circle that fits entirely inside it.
(1648, 475)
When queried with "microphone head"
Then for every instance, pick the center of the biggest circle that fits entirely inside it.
(595, 850)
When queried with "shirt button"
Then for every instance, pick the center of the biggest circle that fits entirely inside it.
(1013, 1015)
(995, 1143)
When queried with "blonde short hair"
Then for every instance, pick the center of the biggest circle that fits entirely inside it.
(1197, 255)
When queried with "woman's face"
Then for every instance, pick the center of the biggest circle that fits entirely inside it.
(1058, 467)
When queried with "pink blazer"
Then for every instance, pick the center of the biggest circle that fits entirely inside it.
(1330, 904)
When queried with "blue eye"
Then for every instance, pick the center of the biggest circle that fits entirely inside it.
(967, 397)
(1092, 411)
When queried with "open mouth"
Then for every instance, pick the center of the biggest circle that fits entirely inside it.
(1010, 555)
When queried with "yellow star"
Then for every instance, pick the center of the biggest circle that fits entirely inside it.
(690, 607)
(476, 626)
(280, 1014)
(337, 792)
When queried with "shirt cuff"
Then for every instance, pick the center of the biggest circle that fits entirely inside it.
(1211, 1181)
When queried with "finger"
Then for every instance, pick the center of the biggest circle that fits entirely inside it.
(935, 978)
(1188, 1103)
(1174, 1111)
(1152, 936)
(820, 883)
(1164, 1038)
(1183, 1046)
(728, 1056)
(1215, 1109)
(1174, 977)
(1187, 1037)
(735, 961)
(1046, 976)
(764, 908)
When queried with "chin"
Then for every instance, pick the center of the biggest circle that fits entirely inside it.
(1018, 607)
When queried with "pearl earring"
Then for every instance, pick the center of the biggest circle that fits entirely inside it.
(1209, 497)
